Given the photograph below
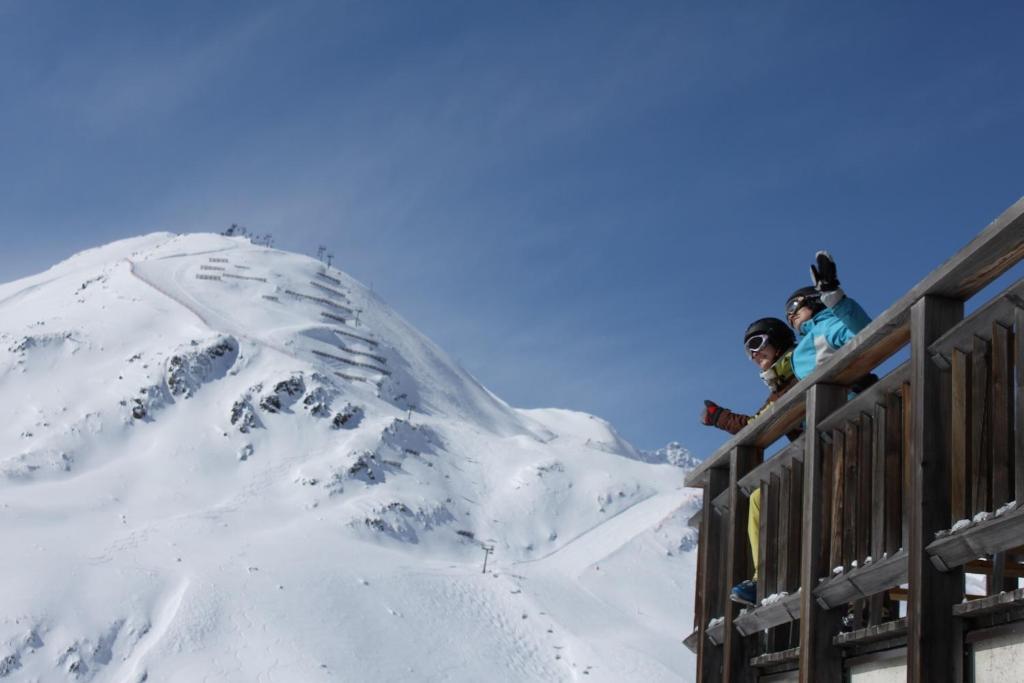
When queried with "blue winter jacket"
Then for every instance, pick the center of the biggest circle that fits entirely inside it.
(825, 333)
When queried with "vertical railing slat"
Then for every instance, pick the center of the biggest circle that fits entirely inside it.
(850, 488)
(960, 368)
(865, 486)
(1002, 441)
(878, 504)
(771, 568)
(894, 477)
(1002, 415)
(785, 509)
(980, 436)
(796, 506)
(838, 466)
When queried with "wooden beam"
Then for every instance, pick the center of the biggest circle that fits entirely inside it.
(708, 589)
(819, 661)
(930, 646)
(737, 650)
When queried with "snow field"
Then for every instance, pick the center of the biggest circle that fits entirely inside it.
(192, 494)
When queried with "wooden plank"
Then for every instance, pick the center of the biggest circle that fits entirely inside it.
(1018, 429)
(990, 605)
(850, 490)
(708, 589)
(998, 534)
(999, 309)
(784, 538)
(796, 506)
(737, 651)
(763, 543)
(769, 616)
(771, 514)
(961, 436)
(894, 479)
(932, 593)
(775, 464)
(980, 436)
(1002, 441)
(864, 497)
(907, 404)
(1002, 414)
(775, 658)
(819, 661)
(699, 595)
(862, 582)
(991, 253)
(838, 466)
(692, 642)
(891, 629)
(878, 502)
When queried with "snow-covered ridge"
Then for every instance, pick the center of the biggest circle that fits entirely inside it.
(227, 461)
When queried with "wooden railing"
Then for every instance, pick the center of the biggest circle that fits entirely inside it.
(855, 515)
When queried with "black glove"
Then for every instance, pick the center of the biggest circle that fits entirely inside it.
(824, 274)
(712, 411)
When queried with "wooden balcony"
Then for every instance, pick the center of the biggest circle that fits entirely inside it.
(856, 515)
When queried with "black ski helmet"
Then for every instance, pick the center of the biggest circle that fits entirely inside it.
(779, 333)
(811, 297)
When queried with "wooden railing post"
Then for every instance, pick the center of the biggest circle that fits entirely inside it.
(820, 662)
(737, 650)
(931, 651)
(711, 603)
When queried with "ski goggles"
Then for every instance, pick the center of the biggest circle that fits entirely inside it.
(755, 343)
(794, 305)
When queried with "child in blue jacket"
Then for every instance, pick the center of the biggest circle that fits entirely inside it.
(824, 317)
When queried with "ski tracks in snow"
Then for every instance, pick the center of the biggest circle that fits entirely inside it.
(133, 670)
(604, 539)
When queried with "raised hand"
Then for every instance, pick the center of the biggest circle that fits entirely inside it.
(823, 273)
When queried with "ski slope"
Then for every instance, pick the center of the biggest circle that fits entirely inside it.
(223, 462)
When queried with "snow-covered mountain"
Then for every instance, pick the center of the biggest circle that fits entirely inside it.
(223, 462)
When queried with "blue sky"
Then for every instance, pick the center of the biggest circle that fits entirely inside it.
(584, 202)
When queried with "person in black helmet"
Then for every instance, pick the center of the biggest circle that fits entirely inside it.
(823, 315)
(769, 343)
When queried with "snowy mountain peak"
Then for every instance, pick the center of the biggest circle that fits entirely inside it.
(245, 458)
